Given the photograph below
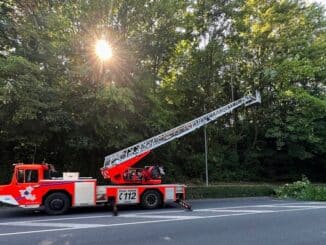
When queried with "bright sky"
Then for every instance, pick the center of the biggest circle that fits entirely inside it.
(318, 1)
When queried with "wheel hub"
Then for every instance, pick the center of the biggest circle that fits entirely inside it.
(151, 200)
(57, 204)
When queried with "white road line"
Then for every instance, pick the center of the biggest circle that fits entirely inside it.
(146, 222)
(301, 206)
(262, 206)
(74, 228)
(167, 212)
(73, 218)
(160, 216)
(63, 225)
(31, 232)
(158, 212)
(237, 210)
(304, 202)
(274, 211)
(222, 209)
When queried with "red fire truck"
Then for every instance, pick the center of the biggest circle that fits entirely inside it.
(34, 186)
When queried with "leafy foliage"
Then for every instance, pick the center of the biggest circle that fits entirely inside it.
(302, 190)
(172, 61)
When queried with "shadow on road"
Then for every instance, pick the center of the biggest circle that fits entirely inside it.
(14, 212)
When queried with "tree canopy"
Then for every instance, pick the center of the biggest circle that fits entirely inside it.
(173, 60)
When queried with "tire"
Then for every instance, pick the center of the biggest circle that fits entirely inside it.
(57, 203)
(151, 199)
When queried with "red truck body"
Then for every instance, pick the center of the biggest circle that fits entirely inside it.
(31, 187)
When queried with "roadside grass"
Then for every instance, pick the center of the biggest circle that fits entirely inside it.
(230, 190)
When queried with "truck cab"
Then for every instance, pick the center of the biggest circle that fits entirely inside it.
(23, 182)
(32, 186)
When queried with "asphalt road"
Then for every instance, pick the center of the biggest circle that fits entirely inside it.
(216, 221)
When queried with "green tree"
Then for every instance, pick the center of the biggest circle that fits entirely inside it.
(173, 60)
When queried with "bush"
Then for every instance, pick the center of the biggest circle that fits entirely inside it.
(302, 190)
(223, 191)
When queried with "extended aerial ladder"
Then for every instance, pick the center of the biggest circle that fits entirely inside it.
(32, 186)
(117, 166)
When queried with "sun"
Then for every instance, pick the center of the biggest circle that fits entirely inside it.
(103, 50)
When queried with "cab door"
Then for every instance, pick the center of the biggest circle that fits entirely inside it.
(27, 183)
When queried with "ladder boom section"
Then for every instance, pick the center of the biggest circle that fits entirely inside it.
(177, 132)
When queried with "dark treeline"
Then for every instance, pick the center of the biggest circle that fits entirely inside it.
(172, 61)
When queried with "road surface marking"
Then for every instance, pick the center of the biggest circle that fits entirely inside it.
(301, 206)
(237, 210)
(62, 225)
(89, 226)
(172, 211)
(74, 228)
(161, 216)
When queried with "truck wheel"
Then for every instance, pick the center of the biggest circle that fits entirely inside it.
(151, 199)
(56, 203)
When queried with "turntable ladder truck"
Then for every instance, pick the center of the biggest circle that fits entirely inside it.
(32, 185)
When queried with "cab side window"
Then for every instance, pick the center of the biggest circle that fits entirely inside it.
(31, 176)
(21, 176)
(27, 176)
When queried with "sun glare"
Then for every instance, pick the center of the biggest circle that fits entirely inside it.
(103, 50)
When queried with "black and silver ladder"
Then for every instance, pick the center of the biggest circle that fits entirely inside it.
(177, 132)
